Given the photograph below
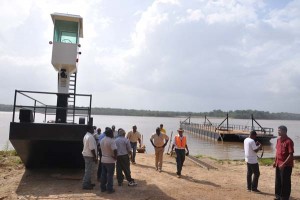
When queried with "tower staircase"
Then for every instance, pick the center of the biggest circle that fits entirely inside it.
(72, 100)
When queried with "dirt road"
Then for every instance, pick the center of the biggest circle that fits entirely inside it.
(228, 181)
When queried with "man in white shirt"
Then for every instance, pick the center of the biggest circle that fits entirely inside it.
(109, 156)
(89, 156)
(115, 132)
(251, 148)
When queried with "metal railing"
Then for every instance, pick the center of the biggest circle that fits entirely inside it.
(225, 126)
(40, 107)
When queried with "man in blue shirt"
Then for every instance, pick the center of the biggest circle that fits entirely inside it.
(100, 137)
(123, 163)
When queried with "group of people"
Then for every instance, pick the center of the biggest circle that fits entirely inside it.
(115, 149)
(113, 146)
(283, 163)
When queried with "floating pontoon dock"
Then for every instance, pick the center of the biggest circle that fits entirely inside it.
(227, 132)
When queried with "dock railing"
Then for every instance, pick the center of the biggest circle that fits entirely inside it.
(218, 130)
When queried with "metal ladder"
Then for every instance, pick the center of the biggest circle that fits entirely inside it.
(71, 99)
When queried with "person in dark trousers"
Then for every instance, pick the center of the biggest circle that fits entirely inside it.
(180, 144)
(284, 163)
(99, 171)
(123, 162)
(251, 148)
(109, 157)
(89, 156)
(134, 136)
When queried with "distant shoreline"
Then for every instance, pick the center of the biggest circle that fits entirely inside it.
(237, 114)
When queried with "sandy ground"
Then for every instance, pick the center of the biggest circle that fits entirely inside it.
(227, 181)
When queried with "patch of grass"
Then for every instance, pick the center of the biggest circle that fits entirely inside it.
(9, 159)
(8, 153)
(266, 161)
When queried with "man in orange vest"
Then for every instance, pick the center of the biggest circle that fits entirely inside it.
(180, 145)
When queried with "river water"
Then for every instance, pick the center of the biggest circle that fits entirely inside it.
(198, 145)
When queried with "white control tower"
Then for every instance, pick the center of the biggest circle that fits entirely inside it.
(67, 31)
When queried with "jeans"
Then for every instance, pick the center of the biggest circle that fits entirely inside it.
(88, 168)
(133, 146)
(123, 165)
(283, 183)
(108, 170)
(252, 169)
(180, 157)
(99, 171)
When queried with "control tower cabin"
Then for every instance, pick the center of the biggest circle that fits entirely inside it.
(65, 51)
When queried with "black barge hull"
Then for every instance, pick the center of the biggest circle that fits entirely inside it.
(42, 145)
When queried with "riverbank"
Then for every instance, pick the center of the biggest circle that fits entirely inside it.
(236, 114)
(227, 181)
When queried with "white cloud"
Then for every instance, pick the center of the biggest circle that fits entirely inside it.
(13, 13)
(284, 80)
(288, 18)
(165, 54)
(191, 15)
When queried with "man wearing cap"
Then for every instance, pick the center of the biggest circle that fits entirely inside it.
(180, 145)
(159, 141)
(134, 136)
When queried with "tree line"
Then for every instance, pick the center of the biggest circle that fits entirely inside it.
(236, 114)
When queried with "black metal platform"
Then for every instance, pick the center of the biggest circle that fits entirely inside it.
(55, 144)
(48, 144)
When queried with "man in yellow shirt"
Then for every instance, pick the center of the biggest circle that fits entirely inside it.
(162, 130)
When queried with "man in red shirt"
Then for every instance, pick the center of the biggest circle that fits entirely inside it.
(284, 163)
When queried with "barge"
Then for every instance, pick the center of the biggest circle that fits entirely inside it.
(50, 126)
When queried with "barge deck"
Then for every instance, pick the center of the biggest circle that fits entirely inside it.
(228, 132)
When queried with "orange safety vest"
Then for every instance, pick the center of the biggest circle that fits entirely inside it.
(180, 143)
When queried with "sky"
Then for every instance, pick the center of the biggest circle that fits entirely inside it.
(167, 55)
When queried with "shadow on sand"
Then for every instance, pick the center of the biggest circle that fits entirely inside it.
(188, 178)
(66, 184)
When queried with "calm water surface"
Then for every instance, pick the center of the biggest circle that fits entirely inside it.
(197, 144)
